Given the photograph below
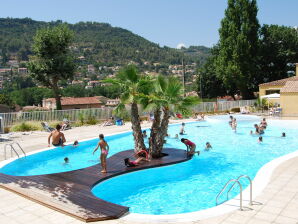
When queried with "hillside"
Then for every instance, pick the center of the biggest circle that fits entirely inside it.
(99, 43)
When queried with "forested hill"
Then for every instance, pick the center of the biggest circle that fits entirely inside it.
(97, 42)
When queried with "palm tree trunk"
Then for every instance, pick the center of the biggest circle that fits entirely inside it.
(155, 129)
(160, 138)
(136, 127)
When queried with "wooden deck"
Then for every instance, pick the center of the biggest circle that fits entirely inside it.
(70, 192)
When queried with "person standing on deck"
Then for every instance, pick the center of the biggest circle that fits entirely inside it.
(104, 147)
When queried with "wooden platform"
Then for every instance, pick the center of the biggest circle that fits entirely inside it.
(70, 192)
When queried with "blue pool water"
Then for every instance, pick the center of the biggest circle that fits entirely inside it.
(179, 188)
(193, 185)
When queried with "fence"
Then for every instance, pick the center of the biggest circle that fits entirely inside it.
(9, 119)
(222, 106)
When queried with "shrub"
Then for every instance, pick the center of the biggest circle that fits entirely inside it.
(81, 118)
(91, 120)
(26, 126)
(235, 110)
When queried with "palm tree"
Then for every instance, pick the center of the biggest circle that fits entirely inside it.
(132, 85)
(165, 98)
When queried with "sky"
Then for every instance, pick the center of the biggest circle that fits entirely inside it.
(166, 22)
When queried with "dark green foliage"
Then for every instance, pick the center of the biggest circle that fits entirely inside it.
(30, 96)
(211, 85)
(278, 52)
(236, 62)
(100, 43)
(52, 61)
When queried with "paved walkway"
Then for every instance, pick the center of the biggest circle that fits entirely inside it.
(278, 204)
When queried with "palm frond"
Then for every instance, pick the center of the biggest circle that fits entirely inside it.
(161, 83)
(120, 110)
(190, 101)
(131, 73)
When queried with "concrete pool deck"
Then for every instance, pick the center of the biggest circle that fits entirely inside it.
(278, 203)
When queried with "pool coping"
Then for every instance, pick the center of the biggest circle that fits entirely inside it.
(260, 181)
(71, 192)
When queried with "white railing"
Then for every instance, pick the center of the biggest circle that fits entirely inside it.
(222, 106)
(8, 119)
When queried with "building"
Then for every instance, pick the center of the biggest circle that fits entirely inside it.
(91, 68)
(22, 71)
(288, 90)
(112, 102)
(73, 103)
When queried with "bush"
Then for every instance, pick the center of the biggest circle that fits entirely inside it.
(91, 120)
(81, 119)
(235, 110)
(29, 126)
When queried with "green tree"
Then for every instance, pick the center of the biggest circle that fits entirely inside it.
(278, 52)
(238, 47)
(4, 56)
(208, 84)
(52, 61)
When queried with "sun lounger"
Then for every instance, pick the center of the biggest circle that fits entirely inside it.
(46, 127)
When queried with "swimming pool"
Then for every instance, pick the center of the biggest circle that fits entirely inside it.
(179, 188)
(192, 186)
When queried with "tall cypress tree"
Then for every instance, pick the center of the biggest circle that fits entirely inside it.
(236, 62)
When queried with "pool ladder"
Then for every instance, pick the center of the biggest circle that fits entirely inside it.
(13, 148)
(234, 181)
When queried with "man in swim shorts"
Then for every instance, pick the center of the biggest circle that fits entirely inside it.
(58, 138)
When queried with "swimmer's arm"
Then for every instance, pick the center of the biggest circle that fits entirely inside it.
(108, 147)
(49, 139)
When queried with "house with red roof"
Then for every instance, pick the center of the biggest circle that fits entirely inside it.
(74, 103)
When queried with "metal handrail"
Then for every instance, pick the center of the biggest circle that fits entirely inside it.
(222, 190)
(13, 149)
(250, 187)
(20, 148)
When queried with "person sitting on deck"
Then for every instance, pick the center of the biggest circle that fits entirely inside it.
(58, 137)
(140, 156)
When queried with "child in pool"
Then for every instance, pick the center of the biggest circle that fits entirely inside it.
(260, 139)
(75, 144)
(208, 146)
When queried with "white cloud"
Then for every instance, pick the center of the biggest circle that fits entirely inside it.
(179, 46)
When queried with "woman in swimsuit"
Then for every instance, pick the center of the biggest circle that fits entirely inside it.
(190, 146)
(104, 147)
